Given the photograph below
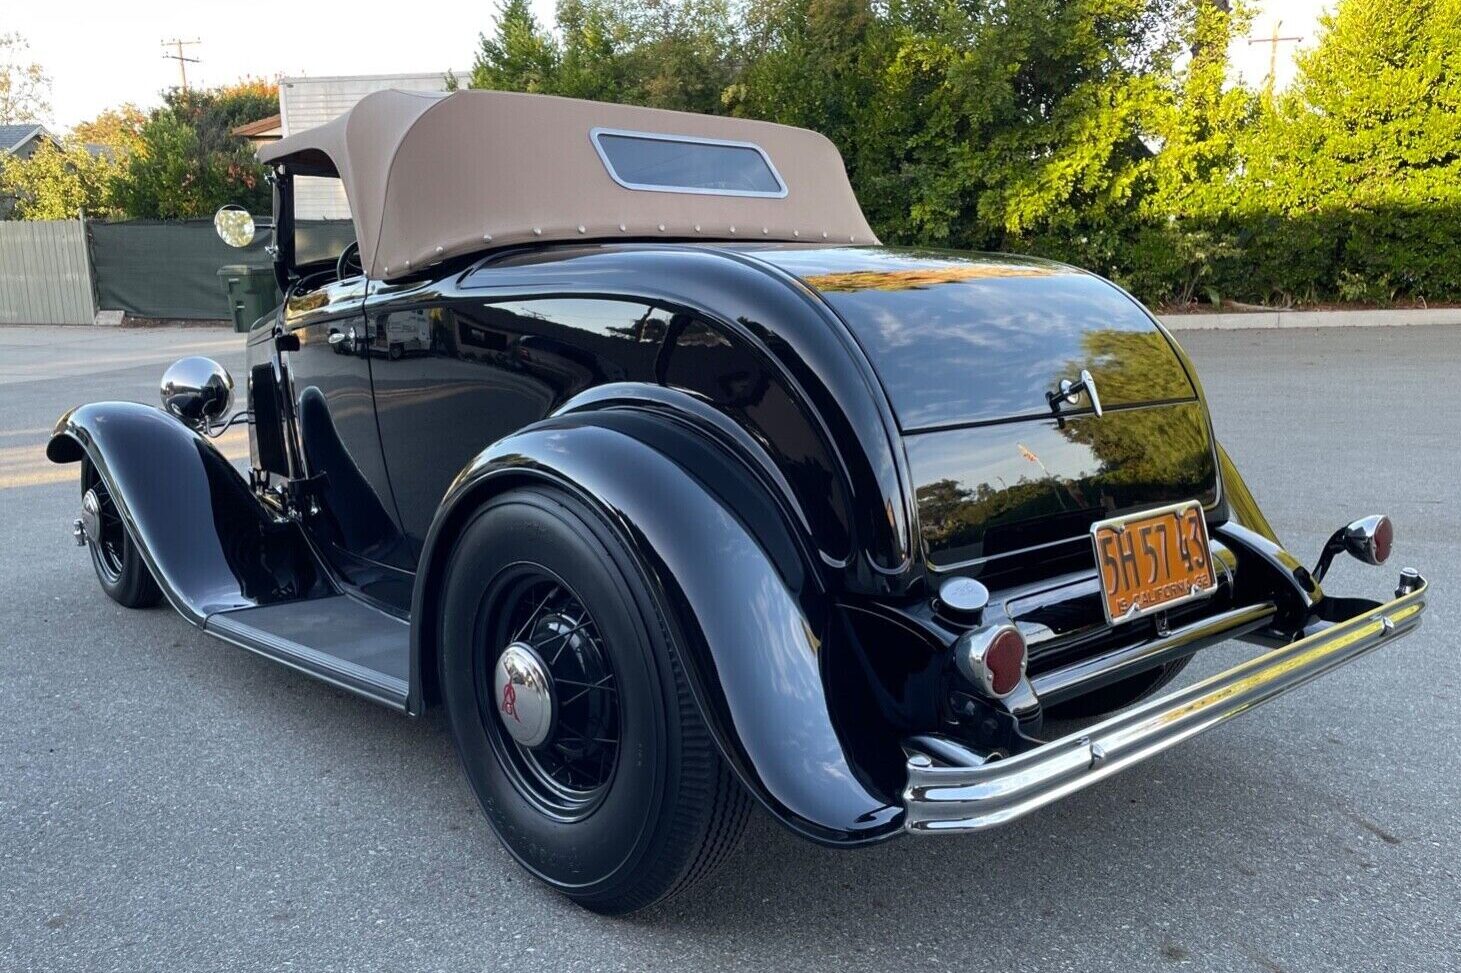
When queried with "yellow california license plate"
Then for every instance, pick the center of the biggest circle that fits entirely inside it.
(1153, 560)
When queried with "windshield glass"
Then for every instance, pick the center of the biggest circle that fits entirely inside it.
(322, 226)
(316, 240)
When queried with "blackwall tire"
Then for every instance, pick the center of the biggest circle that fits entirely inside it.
(119, 567)
(667, 810)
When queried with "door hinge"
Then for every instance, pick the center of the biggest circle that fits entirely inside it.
(302, 495)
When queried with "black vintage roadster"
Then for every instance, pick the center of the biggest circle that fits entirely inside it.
(618, 435)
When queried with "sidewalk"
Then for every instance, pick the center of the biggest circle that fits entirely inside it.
(1367, 318)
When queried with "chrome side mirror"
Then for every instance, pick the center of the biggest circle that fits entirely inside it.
(1368, 539)
(198, 391)
(235, 225)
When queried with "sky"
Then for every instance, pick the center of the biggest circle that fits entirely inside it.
(1295, 18)
(100, 53)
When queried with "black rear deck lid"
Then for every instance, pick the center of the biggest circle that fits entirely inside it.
(969, 338)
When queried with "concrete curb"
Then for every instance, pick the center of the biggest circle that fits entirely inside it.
(1312, 319)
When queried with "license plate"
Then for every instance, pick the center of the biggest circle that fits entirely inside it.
(1152, 561)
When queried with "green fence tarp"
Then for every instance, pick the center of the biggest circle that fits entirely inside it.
(152, 269)
(157, 269)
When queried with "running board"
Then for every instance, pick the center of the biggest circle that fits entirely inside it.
(337, 639)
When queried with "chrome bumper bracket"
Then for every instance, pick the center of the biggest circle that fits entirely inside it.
(977, 793)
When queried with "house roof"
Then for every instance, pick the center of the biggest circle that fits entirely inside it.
(14, 137)
(432, 176)
(263, 128)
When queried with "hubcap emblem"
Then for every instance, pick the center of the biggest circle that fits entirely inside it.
(524, 693)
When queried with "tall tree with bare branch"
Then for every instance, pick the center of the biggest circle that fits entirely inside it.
(25, 88)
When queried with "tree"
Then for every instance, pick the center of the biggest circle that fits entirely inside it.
(25, 89)
(978, 123)
(118, 129)
(80, 173)
(827, 65)
(56, 181)
(1352, 182)
(187, 162)
(676, 54)
(519, 56)
(1181, 237)
(1374, 114)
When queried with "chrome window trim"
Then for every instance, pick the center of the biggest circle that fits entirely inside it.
(595, 133)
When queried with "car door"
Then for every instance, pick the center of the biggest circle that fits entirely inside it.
(348, 512)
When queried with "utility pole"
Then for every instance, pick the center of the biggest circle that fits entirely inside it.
(1273, 43)
(177, 44)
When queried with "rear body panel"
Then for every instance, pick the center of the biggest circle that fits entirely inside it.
(967, 346)
(1004, 490)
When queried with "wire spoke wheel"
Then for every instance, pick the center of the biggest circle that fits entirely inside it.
(108, 546)
(575, 725)
(118, 562)
(547, 692)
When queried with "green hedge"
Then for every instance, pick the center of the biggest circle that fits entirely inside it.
(1378, 256)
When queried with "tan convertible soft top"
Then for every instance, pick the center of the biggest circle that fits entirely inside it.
(430, 176)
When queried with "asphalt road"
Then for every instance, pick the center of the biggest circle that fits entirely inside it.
(168, 802)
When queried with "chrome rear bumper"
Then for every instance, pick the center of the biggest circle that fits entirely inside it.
(975, 794)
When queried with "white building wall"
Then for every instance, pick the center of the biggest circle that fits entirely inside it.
(307, 102)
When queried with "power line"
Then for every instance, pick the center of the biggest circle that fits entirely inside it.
(177, 44)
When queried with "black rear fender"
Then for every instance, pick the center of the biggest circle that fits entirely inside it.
(729, 572)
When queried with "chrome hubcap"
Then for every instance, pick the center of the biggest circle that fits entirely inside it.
(523, 690)
(91, 515)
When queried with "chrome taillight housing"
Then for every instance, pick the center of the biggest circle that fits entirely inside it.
(1369, 539)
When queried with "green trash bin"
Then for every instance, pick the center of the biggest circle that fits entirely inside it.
(251, 293)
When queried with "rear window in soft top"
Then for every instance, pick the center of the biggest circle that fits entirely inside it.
(681, 164)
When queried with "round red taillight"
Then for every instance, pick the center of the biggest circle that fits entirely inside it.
(1383, 540)
(993, 659)
(1006, 661)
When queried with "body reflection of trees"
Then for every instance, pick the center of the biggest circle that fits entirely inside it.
(918, 278)
(953, 516)
(1166, 446)
(1131, 366)
(1131, 456)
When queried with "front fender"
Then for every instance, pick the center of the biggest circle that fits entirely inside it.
(208, 541)
(753, 622)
